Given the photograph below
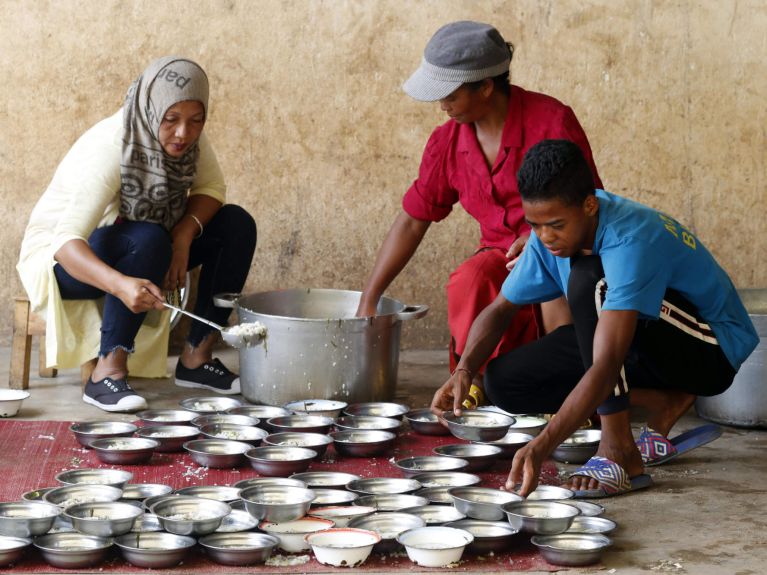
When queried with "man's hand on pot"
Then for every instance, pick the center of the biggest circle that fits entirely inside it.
(450, 396)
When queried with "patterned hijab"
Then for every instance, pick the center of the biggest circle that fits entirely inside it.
(153, 185)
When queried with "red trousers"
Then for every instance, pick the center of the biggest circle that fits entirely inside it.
(473, 286)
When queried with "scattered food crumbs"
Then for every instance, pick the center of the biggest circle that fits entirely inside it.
(284, 560)
(46, 437)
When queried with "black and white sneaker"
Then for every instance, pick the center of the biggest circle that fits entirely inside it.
(211, 375)
(113, 395)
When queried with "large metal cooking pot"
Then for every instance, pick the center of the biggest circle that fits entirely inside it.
(316, 348)
(745, 402)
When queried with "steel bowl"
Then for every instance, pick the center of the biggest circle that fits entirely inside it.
(325, 407)
(218, 492)
(12, 548)
(81, 493)
(225, 418)
(391, 501)
(275, 460)
(261, 412)
(147, 523)
(480, 457)
(103, 519)
(87, 431)
(341, 515)
(368, 422)
(317, 442)
(550, 493)
(261, 481)
(277, 503)
(219, 453)
(292, 534)
(529, 424)
(412, 466)
(154, 550)
(325, 497)
(579, 447)
(588, 508)
(383, 485)
(424, 422)
(72, 550)
(244, 433)
(169, 437)
(378, 409)
(436, 514)
(238, 520)
(238, 548)
(509, 443)
(327, 479)
(446, 479)
(482, 502)
(362, 443)
(141, 491)
(436, 546)
(540, 517)
(124, 450)
(211, 404)
(571, 549)
(301, 423)
(166, 416)
(436, 495)
(388, 526)
(476, 425)
(36, 494)
(27, 518)
(111, 477)
(186, 515)
(593, 525)
(489, 536)
(149, 501)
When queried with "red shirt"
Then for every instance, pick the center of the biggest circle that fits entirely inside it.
(453, 168)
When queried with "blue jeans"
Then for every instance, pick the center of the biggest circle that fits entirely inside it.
(140, 249)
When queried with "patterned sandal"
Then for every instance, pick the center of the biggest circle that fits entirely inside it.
(613, 479)
(656, 449)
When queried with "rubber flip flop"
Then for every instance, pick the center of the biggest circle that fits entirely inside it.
(613, 479)
(656, 449)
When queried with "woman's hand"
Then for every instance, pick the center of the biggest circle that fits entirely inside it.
(179, 264)
(516, 249)
(452, 393)
(138, 294)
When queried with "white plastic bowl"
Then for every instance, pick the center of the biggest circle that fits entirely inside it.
(292, 533)
(343, 547)
(10, 401)
(435, 546)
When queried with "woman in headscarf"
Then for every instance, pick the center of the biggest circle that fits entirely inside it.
(137, 202)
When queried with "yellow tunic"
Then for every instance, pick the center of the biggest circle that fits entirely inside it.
(82, 196)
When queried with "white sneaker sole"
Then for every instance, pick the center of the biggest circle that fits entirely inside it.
(234, 390)
(125, 405)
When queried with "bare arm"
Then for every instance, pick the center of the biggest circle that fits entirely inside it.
(484, 335)
(614, 333)
(138, 294)
(398, 247)
(186, 229)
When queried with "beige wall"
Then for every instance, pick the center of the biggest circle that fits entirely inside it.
(319, 142)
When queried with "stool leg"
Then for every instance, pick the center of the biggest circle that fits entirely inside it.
(21, 348)
(42, 369)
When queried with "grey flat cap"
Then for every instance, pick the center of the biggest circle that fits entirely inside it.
(459, 52)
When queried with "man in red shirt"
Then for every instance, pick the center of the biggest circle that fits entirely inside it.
(473, 159)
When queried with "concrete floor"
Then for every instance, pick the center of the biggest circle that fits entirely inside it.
(704, 516)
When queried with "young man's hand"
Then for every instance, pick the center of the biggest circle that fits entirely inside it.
(450, 396)
(525, 470)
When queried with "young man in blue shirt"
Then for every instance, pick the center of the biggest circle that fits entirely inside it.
(657, 322)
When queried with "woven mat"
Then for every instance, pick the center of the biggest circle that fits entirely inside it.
(33, 452)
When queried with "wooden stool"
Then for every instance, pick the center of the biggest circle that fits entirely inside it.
(25, 325)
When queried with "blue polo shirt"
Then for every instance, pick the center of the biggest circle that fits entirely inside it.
(644, 252)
